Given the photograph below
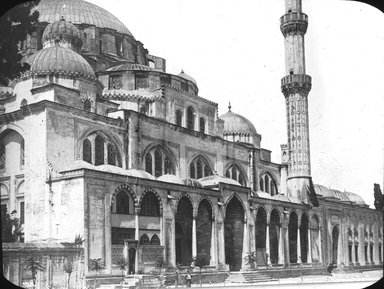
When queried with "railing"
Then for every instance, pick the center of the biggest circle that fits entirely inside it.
(296, 78)
(294, 16)
(117, 254)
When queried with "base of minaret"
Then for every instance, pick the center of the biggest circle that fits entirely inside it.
(302, 189)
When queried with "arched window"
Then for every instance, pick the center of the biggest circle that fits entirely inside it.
(155, 240)
(168, 166)
(268, 184)
(179, 117)
(190, 118)
(99, 150)
(158, 164)
(87, 105)
(202, 125)
(87, 151)
(150, 205)
(148, 163)
(234, 172)
(111, 155)
(2, 156)
(144, 240)
(163, 162)
(192, 172)
(122, 203)
(199, 168)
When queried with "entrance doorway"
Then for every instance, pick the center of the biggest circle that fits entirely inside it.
(131, 260)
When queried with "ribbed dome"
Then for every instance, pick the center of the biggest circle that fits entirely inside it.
(187, 77)
(57, 59)
(64, 31)
(79, 12)
(130, 66)
(236, 123)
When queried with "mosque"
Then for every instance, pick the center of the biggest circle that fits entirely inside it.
(98, 140)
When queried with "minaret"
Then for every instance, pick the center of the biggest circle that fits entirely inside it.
(295, 87)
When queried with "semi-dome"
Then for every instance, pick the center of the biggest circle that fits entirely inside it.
(63, 31)
(236, 123)
(79, 12)
(60, 60)
(187, 77)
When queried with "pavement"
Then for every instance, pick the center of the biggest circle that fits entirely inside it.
(339, 280)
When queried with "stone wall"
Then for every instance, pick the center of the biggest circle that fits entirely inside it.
(53, 258)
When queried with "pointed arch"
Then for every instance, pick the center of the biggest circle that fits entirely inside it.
(268, 183)
(159, 159)
(236, 172)
(125, 188)
(199, 167)
(210, 202)
(156, 197)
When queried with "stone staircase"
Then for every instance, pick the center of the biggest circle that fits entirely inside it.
(249, 277)
(133, 282)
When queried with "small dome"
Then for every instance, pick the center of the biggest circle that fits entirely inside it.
(57, 59)
(192, 182)
(187, 77)
(130, 66)
(168, 178)
(139, 174)
(62, 31)
(236, 123)
(215, 179)
(79, 12)
(355, 198)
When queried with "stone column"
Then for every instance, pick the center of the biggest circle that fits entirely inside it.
(298, 246)
(369, 252)
(245, 243)
(194, 242)
(137, 236)
(220, 241)
(213, 251)
(267, 245)
(281, 245)
(320, 248)
(353, 249)
(309, 249)
(286, 243)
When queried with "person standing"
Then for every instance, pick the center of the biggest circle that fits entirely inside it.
(188, 279)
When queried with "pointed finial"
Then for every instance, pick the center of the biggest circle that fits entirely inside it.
(62, 12)
(182, 71)
(229, 106)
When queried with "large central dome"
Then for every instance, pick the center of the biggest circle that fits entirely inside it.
(79, 12)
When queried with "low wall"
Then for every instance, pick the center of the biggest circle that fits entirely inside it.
(54, 257)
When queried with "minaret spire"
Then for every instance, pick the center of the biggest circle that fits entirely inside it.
(295, 87)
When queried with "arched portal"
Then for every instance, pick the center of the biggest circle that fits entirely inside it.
(184, 231)
(260, 231)
(274, 230)
(292, 227)
(204, 228)
(304, 238)
(335, 241)
(233, 229)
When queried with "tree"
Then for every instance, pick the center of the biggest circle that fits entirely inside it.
(379, 200)
(250, 259)
(200, 261)
(33, 264)
(68, 268)
(15, 25)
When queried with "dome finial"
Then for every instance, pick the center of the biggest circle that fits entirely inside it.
(182, 71)
(229, 106)
(63, 12)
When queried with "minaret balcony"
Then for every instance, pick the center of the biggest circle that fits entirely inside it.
(294, 23)
(296, 83)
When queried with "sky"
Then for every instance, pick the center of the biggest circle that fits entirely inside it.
(235, 51)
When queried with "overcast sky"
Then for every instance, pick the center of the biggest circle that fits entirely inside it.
(235, 51)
